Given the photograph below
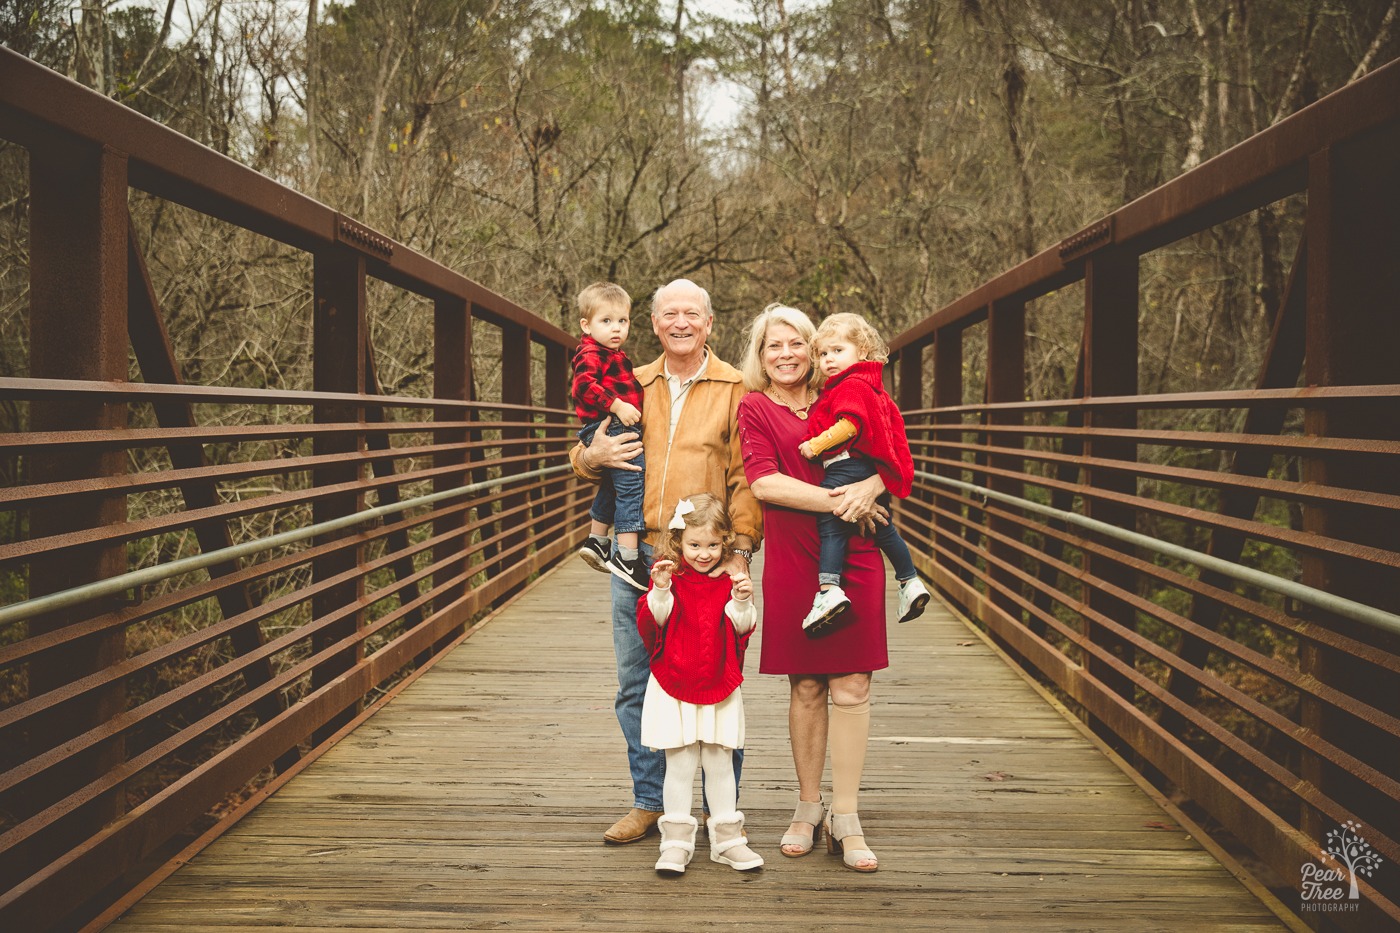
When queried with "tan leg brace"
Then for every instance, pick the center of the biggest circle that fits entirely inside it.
(848, 736)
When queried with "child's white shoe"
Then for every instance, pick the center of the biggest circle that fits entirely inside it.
(826, 609)
(728, 844)
(913, 597)
(677, 842)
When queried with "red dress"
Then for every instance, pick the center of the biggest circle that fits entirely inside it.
(769, 435)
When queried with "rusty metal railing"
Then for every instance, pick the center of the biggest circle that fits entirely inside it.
(1276, 716)
(206, 582)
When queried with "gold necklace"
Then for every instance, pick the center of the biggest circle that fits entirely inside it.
(799, 412)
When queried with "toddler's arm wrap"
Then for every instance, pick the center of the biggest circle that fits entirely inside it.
(834, 436)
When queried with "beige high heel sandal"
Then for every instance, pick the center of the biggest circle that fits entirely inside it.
(840, 826)
(807, 812)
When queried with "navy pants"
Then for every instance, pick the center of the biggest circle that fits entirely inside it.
(834, 532)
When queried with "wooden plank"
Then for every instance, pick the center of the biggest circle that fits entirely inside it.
(477, 799)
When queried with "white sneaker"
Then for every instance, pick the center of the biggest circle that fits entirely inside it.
(826, 609)
(913, 597)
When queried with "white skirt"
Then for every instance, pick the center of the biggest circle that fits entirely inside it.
(671, 723)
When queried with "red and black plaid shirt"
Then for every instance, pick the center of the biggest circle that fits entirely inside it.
(601, 375)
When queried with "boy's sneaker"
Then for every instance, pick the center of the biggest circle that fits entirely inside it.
(595, 553)
(913, 597)
(634, 571)
(826, 609)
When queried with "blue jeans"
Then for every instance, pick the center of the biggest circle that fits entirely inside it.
(633, 669)
(618, 501)
(835, 532)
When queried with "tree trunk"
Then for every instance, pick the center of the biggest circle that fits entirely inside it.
(313, 64)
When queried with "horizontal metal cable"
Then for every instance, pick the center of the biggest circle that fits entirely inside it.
(1330, 602)
(77, 595)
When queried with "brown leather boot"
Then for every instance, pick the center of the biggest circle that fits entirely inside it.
(637, 824)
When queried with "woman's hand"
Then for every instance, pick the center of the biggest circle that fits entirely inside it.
(609, 452)
(661, 573)
(856, 501)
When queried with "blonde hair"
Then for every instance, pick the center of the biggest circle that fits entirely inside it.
(858, 331)
(601, 296)
(755, 376)
(709, 512)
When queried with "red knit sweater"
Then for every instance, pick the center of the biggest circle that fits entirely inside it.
(858, 394)
(697, 656)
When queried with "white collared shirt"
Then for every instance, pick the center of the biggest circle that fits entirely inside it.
(679, 389)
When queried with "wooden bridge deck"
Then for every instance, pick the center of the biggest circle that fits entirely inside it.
(477, 798)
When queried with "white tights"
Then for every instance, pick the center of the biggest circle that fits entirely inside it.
(678, 791)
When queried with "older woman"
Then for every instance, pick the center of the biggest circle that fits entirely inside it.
(772, 421)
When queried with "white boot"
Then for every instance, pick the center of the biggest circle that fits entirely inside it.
(728, 845)
(677, 842)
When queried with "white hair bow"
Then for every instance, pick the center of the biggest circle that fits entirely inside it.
(683, 508)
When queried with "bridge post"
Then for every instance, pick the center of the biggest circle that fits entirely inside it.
(1110, 368)
(556, 396)
(452, 379)
(1353, 331)
(915, 513)
(1006, 382)
(78, 330)
(338, 365)
(515, 390)
(947, 393)
(911, 377)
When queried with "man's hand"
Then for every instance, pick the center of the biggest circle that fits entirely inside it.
(607, 452)
(805, 449)
(743, 587)
(626, 412)
(737, 566)
(661, 573)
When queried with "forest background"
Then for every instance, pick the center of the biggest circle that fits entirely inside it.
(877, 156)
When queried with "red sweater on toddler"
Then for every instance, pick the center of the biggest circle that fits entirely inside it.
(858, 395)
(697, 657)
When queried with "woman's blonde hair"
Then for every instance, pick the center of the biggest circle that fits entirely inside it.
(856, 329)
(708, 512)
(755, 376)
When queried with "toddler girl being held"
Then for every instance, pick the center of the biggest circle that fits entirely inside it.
(696, 628)
(858, 432)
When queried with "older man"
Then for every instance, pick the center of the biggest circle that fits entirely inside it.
(691, 438)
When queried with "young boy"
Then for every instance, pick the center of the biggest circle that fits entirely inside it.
(855, 420)
(604, 386)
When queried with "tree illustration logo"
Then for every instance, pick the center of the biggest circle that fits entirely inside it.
(1331, 886)
(1346, 846)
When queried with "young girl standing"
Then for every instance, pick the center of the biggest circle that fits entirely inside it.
(696, 628)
